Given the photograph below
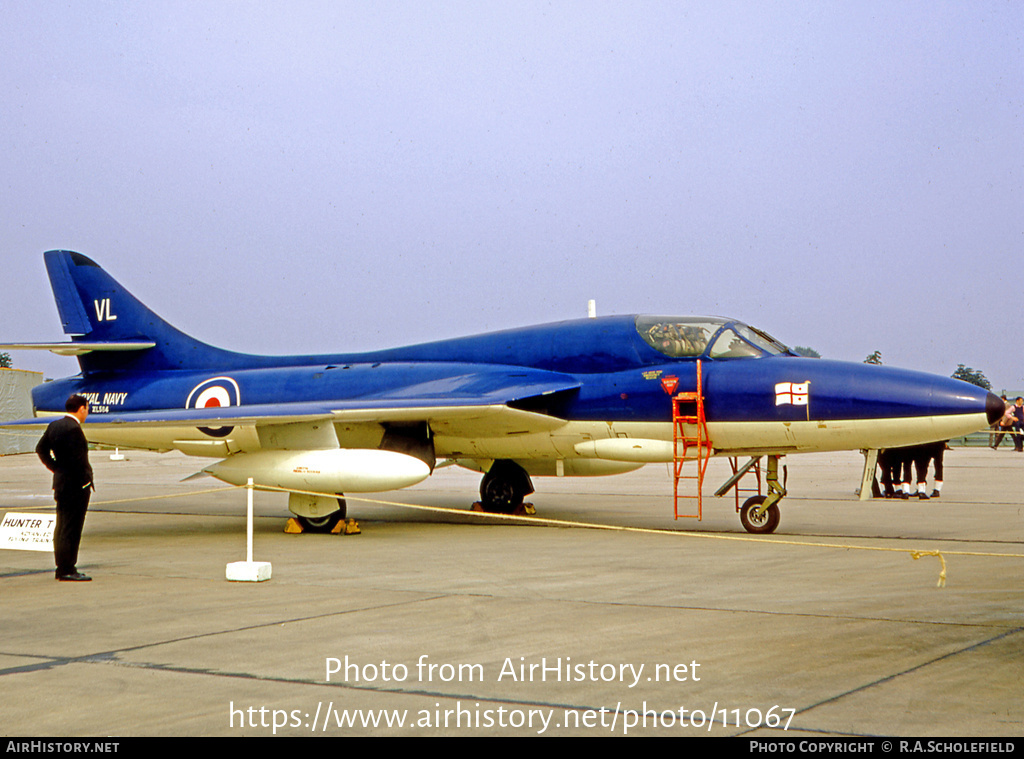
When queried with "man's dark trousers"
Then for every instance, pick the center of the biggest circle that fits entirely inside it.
(72, 504)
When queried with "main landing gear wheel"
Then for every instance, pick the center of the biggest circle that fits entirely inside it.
(503, 487)
(326, 523)
(759, 524)
(499, 495)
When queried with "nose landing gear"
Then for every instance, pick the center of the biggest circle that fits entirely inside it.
(760, 514)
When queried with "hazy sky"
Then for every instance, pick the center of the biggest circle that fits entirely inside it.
(303, 177)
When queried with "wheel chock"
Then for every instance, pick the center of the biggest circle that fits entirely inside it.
(523, 510)
(343, 527)
(346, 527)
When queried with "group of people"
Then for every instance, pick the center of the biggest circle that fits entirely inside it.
(1011, 421)
(900, 465)
(898, 468)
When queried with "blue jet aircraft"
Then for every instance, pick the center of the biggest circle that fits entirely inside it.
(582, 397)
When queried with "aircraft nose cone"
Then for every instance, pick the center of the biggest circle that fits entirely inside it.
(994, 408)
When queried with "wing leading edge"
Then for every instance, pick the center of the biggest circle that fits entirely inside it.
(469, 400)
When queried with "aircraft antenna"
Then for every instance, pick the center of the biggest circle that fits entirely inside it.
(592, 308)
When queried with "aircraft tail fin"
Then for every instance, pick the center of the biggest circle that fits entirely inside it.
(111, 329)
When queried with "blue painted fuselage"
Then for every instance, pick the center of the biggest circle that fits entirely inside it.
(591, 370)
(546, 388)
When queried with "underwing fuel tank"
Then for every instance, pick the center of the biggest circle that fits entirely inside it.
(339, 470)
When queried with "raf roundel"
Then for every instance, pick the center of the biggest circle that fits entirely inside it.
(217, 392)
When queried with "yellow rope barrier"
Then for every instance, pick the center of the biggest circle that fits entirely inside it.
(545, 522)
(915, 555)
(541, 521)
(145, 498)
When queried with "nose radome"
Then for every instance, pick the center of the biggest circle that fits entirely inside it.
(994, 408)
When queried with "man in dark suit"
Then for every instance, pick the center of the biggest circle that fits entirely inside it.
(65, 452)
(1018, 425)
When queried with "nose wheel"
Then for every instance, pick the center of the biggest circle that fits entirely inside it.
(757, 518)
(759, 514)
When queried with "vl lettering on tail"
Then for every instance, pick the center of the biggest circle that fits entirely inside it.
(103, 313)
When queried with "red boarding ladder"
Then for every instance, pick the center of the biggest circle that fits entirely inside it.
(690, 430)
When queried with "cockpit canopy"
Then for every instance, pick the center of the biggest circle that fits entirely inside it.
(707, 337)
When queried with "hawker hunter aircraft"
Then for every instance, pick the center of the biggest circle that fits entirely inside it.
(584, 397)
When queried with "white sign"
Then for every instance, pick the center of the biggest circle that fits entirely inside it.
(27, 532)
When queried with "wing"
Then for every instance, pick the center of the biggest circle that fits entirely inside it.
(466, 404)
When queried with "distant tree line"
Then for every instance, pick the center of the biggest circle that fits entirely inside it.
(965, 373)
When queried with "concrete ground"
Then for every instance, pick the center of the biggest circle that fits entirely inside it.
(447, 622)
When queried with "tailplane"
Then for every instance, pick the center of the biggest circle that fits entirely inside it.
(111, 330)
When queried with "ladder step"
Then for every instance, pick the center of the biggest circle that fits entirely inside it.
(688, 410)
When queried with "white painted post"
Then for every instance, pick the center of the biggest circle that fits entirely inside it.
(248, 570)
(248, 522)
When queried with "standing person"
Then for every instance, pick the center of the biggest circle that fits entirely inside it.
(905, 470)
(65, 452)
(922, 456)
(885, 461)
(1018, 424)
(1006, 422)
(895, 458)
(937, 451)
